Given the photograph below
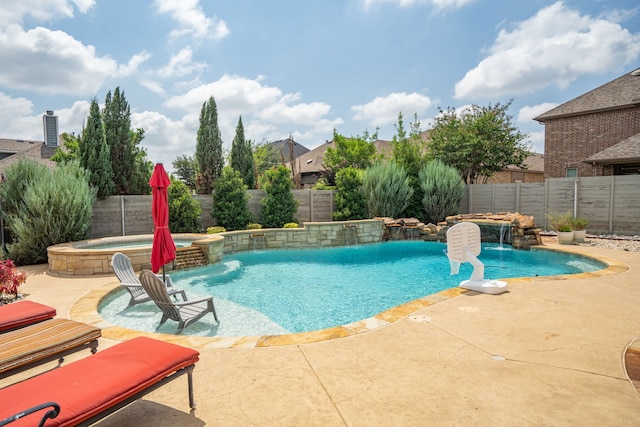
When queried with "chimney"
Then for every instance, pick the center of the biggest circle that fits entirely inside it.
(50, 125)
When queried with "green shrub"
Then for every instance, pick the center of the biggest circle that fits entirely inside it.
(349, 198)
(442, 187)
(290, 225)
(215, 230)
(253, 226)
(278, 205)
(184, 210)
(54, 206)
(387, 189)
(231, 200)
(322, 184)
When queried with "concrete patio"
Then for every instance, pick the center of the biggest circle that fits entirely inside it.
(548, 352)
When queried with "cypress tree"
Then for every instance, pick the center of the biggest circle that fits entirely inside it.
(117, 125)
(242, 156)
(278, 205)
(208, 148)
(94, 153)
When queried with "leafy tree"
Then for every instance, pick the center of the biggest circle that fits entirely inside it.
(278, 205)
(358, 152)
(231, 200)
(143, 167)
(71, 144)
(478, 141)
(54, 207)
(387, 189)
(208, 148)
(186, 168)
(408, 152)
(265, 157)
(94, 153)
(242, 156)
(349, 199)
(184, 211)
(442, 187)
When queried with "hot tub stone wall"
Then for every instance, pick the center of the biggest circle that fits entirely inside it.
(311, 235)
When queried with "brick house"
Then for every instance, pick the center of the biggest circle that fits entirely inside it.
(597, 133)
(533, 171)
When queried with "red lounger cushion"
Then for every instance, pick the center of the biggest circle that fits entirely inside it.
(22, 313)
(94, 384)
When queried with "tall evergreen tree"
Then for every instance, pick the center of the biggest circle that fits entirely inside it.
(242, 156)
(208, 148)
(408, 152)
(117, 124)
(94, 153)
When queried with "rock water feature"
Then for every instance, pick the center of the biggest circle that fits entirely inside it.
(516, 229)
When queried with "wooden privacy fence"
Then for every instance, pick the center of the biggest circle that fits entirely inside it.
(612, 205)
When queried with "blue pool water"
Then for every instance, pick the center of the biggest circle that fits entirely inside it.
(284, 291)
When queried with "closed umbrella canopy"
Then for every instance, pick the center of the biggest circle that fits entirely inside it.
(163, 249)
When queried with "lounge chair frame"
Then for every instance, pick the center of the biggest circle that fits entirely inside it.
(162, 362)
(185, 312)
(123, 269)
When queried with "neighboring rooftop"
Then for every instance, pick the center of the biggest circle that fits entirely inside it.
(14, 150)
(623, 92)
(284, 148)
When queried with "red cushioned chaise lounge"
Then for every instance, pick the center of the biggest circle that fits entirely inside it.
(23, 313)
(89, 389)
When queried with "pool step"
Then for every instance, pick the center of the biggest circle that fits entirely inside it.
(188, 257)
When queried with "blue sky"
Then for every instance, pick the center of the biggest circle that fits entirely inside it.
(303, 67)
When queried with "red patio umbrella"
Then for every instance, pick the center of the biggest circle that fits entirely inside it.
(163, 249)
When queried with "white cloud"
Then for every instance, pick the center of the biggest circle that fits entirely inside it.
(192, 19)
(180, 65)
(165, 139)
(536, 139)
(439, 4)
(134, 63)
(21, 122)
(41, 10)
(52, 62)
(385, 110)
(555, 46)
(527, 113)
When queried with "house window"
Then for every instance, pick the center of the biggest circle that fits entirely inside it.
(572, 172)
(517, 177)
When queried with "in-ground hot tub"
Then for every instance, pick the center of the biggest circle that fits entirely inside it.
(93, 257)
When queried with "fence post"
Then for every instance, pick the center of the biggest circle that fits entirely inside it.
(611, 202)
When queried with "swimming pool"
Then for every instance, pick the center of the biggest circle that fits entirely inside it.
(285, 291)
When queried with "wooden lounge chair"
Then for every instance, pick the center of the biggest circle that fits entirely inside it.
(23, 313)
(184, 313)
(42, 342)
(89, 389)
(123, 269)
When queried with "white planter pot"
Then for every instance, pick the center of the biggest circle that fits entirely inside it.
(565, 237)
(579, 235)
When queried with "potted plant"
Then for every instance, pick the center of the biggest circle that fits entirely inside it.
(562, 224)
(10, 281)
(579, 227)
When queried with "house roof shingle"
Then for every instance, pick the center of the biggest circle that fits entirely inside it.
(623, 92)
(14, 150)
(626, 151)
